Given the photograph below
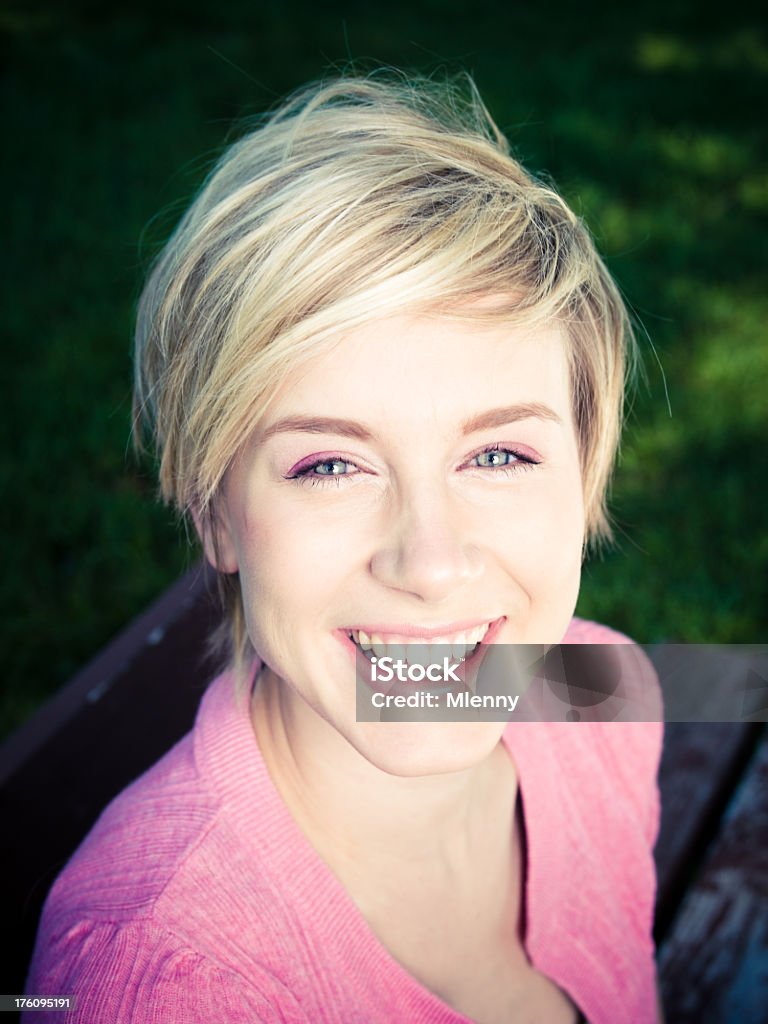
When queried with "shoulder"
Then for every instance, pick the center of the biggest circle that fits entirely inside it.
(139, 973)
(174, 881)
(632, 671)
(628, 749)
(585, 631)
(138, 842)
(101, 937)
(158, 829)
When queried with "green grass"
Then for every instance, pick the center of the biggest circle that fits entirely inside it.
(649, 119)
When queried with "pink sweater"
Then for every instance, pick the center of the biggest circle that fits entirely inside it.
(196, 899)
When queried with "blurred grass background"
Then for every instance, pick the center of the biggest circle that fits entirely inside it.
(651, 120)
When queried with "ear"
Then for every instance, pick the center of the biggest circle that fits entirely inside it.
(216, 536)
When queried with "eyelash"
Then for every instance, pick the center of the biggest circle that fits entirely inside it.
(305, 474)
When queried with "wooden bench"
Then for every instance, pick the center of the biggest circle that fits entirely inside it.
(124, 710)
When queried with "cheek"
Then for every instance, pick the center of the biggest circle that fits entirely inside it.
(548, 550)
(547, 557)
(288, 567)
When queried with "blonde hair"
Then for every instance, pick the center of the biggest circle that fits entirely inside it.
(356, 199)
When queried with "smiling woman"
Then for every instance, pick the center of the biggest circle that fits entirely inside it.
(382, 499)
(383, 368)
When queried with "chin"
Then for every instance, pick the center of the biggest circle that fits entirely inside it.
(414, 749)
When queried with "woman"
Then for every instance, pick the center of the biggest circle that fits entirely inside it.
(383, 368)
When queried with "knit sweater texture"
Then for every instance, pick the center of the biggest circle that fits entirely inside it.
(196, 898)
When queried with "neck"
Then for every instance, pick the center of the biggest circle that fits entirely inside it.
(355, 813)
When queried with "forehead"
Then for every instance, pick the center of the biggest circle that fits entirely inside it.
(412, 370)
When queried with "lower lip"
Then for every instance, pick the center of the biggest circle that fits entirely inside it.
(493, 631)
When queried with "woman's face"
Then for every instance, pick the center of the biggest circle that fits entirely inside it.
(420, 479)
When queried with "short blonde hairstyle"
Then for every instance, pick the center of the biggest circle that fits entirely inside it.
(356, 199)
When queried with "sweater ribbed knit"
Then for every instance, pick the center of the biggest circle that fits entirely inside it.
(196, 899)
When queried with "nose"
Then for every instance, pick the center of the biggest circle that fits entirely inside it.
(426, 550)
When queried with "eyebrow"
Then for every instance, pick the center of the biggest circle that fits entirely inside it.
(350, 428)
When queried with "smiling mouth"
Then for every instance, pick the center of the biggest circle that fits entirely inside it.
(457, 646)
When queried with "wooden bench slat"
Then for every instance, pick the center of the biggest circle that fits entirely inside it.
(112, 722)
(140, 637)
(700, 765)
(714, 963)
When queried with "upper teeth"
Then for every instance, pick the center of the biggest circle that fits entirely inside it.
(396, 646)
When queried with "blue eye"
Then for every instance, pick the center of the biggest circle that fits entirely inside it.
(324, 471)
(496, 457)
(502, 459)
(331, 467)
